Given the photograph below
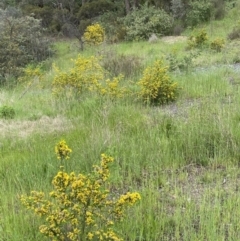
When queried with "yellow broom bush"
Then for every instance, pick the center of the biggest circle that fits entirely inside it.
(156, 85)
(87, 75)
(80, 207)
(94, 34)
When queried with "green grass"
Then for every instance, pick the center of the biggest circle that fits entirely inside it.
(182, 158)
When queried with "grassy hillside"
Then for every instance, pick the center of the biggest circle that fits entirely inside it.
(183, 158)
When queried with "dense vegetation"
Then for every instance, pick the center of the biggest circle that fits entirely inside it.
(160, 111)
(28, 27)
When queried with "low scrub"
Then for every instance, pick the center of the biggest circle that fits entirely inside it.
(198, 39)
(80, 207)
(87, 75)
(217, 44)
(156, 85)
(94, 34)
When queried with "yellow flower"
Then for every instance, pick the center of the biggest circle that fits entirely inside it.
(90, 236)
(62, 150)
(79, 201)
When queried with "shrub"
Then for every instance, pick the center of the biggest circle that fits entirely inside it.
(217, 44)
(87, 75)
(156, 86)
(21, 42)
(32, 76)
(30, 73)
(94, 34)
(84, 75)
(198, 12)
(111, 88)
(80, 207)
(141, 23)
(198, 39)
(7, 112)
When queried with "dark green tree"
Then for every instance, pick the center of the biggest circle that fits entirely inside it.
(21, 42)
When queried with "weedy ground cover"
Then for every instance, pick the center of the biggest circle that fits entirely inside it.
(183, 157)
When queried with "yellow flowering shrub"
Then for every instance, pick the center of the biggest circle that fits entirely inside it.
(32, 75)
(112, 89)
(94, 34)
(31, 72)
(62, 150)
(80, 208)
(87, 75)
(156, 85)
(217, 44)
(198, 39)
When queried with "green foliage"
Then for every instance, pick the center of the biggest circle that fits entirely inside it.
(31, 72)
(92, 9)
(183, 63)
(156, 86)
(141, 23)
(84, 75)
(113, 26)
(7, 112)
(80, 206)
(87, 75)
(21, 42)
(198, 39)
(111, 88)
(178, 9)
(198, 12)
(218, 8)
(217, 44)
(94, 34)
(45, 14)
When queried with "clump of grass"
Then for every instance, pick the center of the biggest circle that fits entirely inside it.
(116, 64)
(7, 112)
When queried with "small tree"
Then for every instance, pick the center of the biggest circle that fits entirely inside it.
(198, 12)
(21, 42)
(142, 23)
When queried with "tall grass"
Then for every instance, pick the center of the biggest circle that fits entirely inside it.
(183, 158)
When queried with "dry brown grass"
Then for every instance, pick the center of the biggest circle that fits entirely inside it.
(174, 39)
(24, 128)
